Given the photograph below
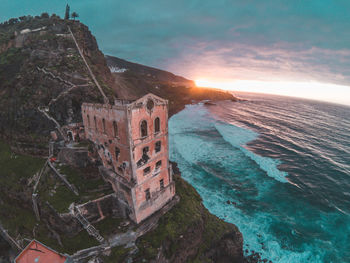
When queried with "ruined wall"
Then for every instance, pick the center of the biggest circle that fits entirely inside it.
(123, 191)
(101, 208)
(113, 148)
(74, 157)
(158, 199)
(139, 169)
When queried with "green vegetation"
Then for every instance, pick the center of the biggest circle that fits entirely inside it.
(16, 169)
(118, 254)
(111, 225)
(75, 15)
(5, 37)
(15, 215)
(70, 244)
(87, 181)
(10, 64)
(173, 226)
(56, 193)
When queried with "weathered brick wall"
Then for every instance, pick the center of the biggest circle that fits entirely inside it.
(105, 138)
(150, 180)
(147, 186)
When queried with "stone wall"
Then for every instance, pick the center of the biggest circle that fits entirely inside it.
(77, 157)
(98, 209)
(132, 141)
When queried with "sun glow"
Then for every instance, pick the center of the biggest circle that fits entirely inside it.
(311, 90)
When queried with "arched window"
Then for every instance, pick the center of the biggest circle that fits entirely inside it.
(156, 125)
(88, 118)
(115, 129)
(143, 128)
(104, 125)
(95, 123)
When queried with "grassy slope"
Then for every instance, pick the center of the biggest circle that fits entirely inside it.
(19, 218)
(60, 197)
(15, 170)
(16, 213)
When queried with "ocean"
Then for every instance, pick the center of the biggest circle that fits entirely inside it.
(284, 166)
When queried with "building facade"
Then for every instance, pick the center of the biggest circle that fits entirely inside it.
(131, 138)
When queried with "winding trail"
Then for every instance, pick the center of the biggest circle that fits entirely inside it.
(58, 126)
(105, 99)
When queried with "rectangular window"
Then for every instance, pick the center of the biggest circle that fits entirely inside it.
(158, 146)
(145, 150)
(158, 164)
(144, 159)
(88, 118)
(147, 170)
(148, 194)
(143, 128)
(115, 129)
(161, 182)
(104, 125)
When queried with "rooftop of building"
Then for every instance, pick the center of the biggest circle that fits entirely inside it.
(37, 252)
(127, 102)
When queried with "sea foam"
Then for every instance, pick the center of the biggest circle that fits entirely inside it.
(212, 157)
(238, 137)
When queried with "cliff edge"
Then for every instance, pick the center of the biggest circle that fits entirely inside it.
(43, 82)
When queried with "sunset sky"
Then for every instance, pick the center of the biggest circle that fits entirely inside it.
(263, 46)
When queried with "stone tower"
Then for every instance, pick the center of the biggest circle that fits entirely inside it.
(132, 141)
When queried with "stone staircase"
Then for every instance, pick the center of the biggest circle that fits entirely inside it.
(63, 178)
(92, 231)
(44, 110)
(50, 74)
(105, 99)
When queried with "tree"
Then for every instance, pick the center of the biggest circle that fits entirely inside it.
(13, 21)
(22, 18)
(66, 16)
(75, 15)
(55, 16)
(45, 15)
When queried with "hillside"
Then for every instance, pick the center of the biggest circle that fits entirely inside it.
(39, 62)
(135, 80)
(149, 73)
(43, 82)
(40, 66)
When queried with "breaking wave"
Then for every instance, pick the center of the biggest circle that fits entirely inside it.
(287, 221)
(238, 137)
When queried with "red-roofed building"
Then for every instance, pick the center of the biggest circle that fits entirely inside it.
(36, 252)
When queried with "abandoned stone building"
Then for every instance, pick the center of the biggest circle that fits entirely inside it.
(131, 138)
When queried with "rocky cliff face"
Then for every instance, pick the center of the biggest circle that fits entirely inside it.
(189, 233)
(40, 66)
(135, 80)
(43, 78)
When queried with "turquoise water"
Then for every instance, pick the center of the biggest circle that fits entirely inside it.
(283, 163)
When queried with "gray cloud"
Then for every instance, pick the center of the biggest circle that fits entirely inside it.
(254, 39)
